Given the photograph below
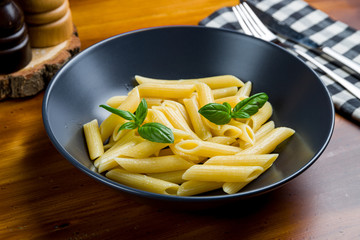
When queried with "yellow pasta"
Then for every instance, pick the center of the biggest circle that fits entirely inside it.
(205, 149)
(270, 141)
(154, 164)
(166, 91)
(192, 187)
(245, 90)
(142, 182)
(93, 139)
(224, 92)
(259, 118)
(220, 173)
(203, 156)
(200, 128)
(173, 176)
(215, 82)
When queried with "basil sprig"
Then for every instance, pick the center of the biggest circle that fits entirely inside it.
(221, 114)
(154, 132)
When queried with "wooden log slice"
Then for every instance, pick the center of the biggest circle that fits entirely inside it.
(36, 75)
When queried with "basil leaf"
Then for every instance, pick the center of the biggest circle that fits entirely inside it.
(122, 113)
(141, 112)
(226, 104)
(216, 113)
(128, 125)
(250, 105)
(156, 132)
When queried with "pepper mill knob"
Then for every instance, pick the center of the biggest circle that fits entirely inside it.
(15, 50)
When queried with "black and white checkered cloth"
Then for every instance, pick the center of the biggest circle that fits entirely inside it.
(320, 28)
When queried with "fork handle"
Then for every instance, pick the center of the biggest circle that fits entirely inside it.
(347, 85)
(344, 60)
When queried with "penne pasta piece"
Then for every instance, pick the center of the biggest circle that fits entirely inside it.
(93, 139)
(270, 141)
(177, 120)
(224, 92)
(173, 176)
(220, 173)
(142, 182)
(221, 81)
(154, 164)
(262, 131)
(130, 104)
(245, 90)
(259, 118)
(227, 130)
(179, 108)
(115, 101)
(222, 140)
(129, 140)
(169, 91)
(190, 188)
(154, 102)
(205, 149)
(234, 187)
(145, 149)
(205, 95)
(198, 123)
(262, 160)
(190, 157)
(247, 134)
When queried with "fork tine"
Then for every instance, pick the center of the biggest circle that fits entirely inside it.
(249, 21)
(242, 23)
(260, 25)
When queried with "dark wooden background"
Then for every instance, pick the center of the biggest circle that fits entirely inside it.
(42, 196)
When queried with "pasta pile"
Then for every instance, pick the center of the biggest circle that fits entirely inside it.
(203, 157)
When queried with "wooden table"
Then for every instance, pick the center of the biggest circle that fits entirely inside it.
(42, 196)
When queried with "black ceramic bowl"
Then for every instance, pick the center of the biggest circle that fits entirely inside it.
(299, 98)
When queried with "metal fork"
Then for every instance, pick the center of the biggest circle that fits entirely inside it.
(252, 25)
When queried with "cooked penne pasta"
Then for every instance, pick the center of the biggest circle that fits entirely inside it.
(169, 91)
(234, 187)
(247, 134)
(245, 90)
(224, 92)
(270, 141)
(262, 160)
(178, 107)
(115, 101)
(201, 156)
(198, 123)
(173, 176)
(220, 173)
(93, 139)
(154, 164)
(259, 118)
(205, 149)
(142, 182)
(215, 82)
(222, 140)
(192, 187)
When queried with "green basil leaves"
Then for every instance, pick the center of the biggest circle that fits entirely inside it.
(221, 114)
(154, 132)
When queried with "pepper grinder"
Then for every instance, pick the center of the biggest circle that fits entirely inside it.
(15, 49)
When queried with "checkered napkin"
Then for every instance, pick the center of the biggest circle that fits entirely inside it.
(321, 29)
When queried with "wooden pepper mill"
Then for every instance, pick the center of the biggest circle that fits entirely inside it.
(15, 50)
(49, 22)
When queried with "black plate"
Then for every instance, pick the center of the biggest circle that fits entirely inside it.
(299, 98)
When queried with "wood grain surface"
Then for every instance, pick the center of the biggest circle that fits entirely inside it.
(42, 196)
